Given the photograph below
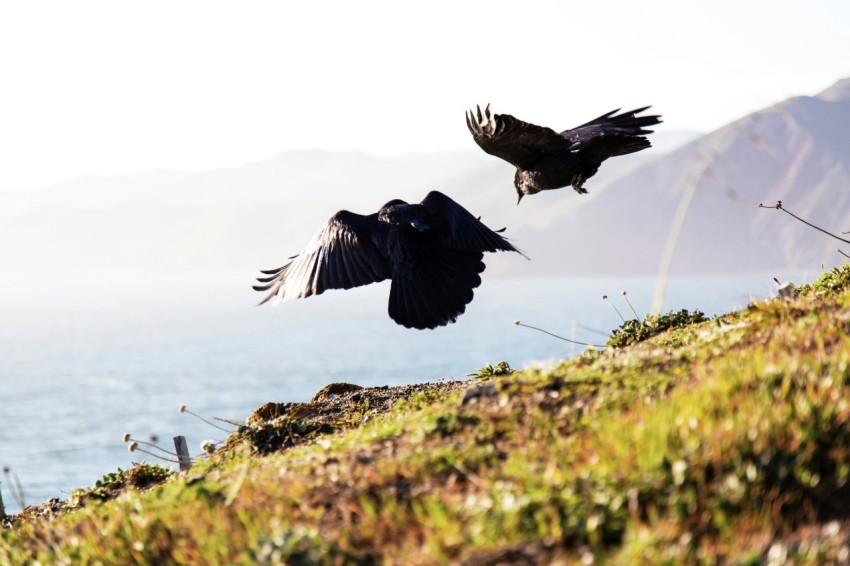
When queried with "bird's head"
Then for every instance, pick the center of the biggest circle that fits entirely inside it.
(524, 185)
(403, 214)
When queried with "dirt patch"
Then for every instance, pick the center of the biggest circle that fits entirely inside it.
(334, 408)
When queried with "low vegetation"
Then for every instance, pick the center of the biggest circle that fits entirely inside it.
(633, 331)
(722, 440)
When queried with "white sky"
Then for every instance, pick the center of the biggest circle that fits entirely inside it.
(118, 87)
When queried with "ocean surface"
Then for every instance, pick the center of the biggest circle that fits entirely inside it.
(84, 360)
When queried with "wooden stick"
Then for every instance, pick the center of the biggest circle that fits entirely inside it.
(182, 453)
(2, 510)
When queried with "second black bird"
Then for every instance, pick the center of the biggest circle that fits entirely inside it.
(431, 251)
(545, 159)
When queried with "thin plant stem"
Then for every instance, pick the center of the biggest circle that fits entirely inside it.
(131, 439)
(183, 409)
(625, 298)
(605, 298)
(157, 456)
(20, 489)
(786, 211)
(693, 181)
(594, 330)
(518, 323)
(15, 488)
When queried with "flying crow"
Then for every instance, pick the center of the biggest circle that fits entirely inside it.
(431, 251)
(547, 160)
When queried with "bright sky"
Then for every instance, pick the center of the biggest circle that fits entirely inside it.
(119, 87)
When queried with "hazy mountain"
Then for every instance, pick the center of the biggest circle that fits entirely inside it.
(241, 219)
(221, 220)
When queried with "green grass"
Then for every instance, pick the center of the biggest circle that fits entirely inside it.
(712, 440)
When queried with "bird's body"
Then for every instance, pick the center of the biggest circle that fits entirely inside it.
(550, 172)
(432, 252)
(545, 159)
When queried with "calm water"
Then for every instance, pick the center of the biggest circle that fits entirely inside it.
(85, 360)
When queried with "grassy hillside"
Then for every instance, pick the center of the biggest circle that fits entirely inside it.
(722, 440)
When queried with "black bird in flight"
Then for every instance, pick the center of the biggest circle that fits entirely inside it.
(545, 159)
(432, 251)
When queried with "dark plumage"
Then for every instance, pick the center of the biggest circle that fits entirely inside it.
(547, 160)
(432, 251)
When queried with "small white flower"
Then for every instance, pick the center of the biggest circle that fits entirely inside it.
(832, 529)
(678, 469)
(777, 554)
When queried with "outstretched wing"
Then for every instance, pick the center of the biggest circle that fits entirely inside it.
(341, 256)
(625, 125)
(511, 139)
(465, 231)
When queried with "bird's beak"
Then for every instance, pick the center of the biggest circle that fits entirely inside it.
(419, 225)
(519, 197)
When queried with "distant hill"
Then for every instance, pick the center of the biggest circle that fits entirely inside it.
(245, 218)
(223, 220)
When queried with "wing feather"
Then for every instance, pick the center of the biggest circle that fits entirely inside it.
(624, 124)
(517, 142)
(466, 231)
(341, 256)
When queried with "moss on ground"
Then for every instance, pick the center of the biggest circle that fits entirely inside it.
(724, 440)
